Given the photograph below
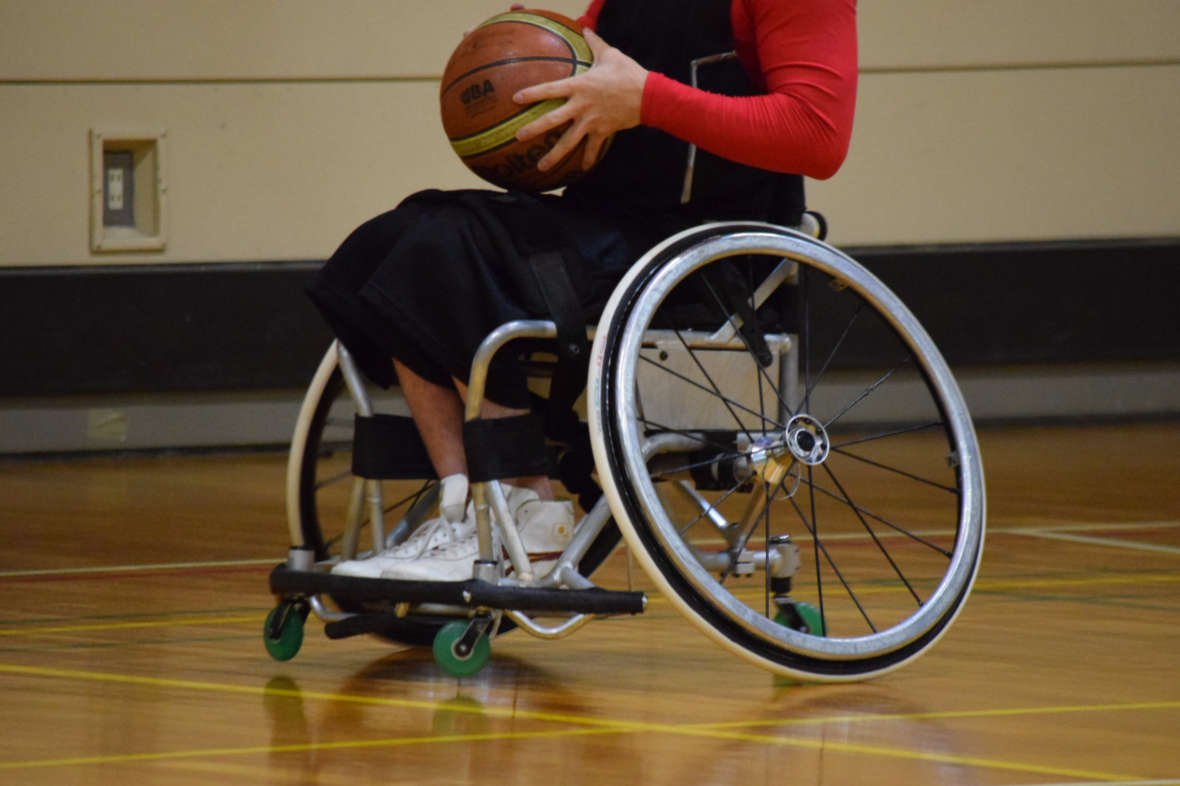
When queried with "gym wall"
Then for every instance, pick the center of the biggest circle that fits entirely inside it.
(1031, 146)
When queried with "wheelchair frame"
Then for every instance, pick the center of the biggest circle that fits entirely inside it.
(769, 455)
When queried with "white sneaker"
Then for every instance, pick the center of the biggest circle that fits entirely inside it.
(457, 523)
(545, 528)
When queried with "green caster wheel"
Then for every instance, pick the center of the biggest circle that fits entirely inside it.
(283, 632)
(801, 616)
(452, 662)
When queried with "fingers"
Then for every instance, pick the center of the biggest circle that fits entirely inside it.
(581, 110)
(546, 122)
(568, 141)
(561, 88)
(592, 152)
(558, 89)
(597, 45)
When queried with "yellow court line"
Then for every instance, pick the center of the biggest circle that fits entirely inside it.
(599, 725)
(913, 755)
(168, 623)
(303, 748)
(128, 679)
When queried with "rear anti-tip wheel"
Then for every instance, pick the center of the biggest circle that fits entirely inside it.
(449, 649)
(283, 631)
(801, 616)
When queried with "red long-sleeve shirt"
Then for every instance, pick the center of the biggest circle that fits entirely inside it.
(803, 53)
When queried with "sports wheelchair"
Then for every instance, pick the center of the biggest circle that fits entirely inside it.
(778, 441)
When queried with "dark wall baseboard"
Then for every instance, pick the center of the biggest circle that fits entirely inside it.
(249, 326)
(158, 329)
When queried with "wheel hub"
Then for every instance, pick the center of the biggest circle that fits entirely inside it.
(807, 439)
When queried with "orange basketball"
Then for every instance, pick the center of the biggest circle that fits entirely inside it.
(505, 54)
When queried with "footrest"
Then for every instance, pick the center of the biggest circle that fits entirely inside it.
(472, 593)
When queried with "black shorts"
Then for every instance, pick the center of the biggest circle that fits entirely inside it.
(426, 282)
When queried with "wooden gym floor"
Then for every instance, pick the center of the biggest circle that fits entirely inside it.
(134, 592)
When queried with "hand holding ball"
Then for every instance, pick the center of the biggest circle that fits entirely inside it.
(505, 54)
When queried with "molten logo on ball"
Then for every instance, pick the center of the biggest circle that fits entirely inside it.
(519, 164)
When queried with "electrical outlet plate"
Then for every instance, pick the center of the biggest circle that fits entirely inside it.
(128, 199)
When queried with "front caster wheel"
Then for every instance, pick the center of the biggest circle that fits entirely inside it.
(283, 631)
(456, 653)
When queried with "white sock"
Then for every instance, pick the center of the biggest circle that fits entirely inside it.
(453, 500)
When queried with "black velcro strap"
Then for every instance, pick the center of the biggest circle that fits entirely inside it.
(573, 350)
(388, 447)
(505, 448)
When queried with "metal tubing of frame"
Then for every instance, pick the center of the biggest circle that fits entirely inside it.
(512, 542)
(721, 561)
(510, 331)
(786, 270)
(707, 508)
(360, 399)
(542, 632)
(565, 572)
(690, 164)
(476, 387)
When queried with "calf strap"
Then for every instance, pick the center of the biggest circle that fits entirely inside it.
(500, 448)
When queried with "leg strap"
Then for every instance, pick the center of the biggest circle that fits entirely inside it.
(505, 448)
(388, 447)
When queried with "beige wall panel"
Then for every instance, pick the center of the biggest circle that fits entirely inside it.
(232, 39)
(270, 171)
(228, 39)
(277, 171)
(1010, 155)
(964, 33)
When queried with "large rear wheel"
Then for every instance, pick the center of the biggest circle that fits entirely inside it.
(786, 451)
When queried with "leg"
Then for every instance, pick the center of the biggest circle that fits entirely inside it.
(491, 410)
(438, 413)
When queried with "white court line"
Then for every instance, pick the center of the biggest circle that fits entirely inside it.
(1060, 531)
(1089, 526)
(1068, 532)
(136, 568)
(1159, 548)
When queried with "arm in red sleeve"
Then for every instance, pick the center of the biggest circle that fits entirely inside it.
(805, 54)
(590, 18)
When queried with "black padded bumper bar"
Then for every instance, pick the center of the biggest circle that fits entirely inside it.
(472, 593)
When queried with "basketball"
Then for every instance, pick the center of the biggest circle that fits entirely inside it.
(507, 53)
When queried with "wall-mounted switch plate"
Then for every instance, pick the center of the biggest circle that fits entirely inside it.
(128, 192)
